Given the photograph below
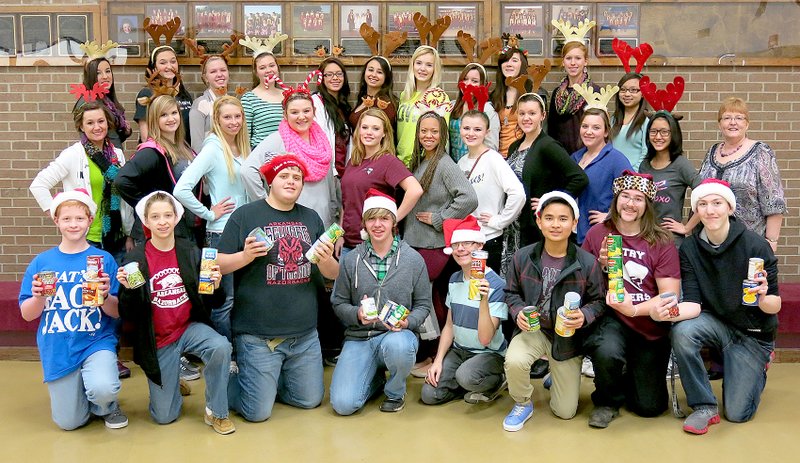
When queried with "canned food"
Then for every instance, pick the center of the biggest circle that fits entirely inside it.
(614, 245)
(674, 311)
(755, 268)
(616, 287)
(92, 295)
(331, 235)
(135, 277)
(393, 313)
(207, 262)
(261, 236)
(572, 300)
(477, 272)
(615, 268)
(750, 297)
(532, 315)
(49, 280)
(94, 267)
(369, 308)
(560, 328)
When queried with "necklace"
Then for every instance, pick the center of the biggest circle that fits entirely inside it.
(725, 155)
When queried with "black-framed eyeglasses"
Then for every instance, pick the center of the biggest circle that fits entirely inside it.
(331, 75)
(632, 91)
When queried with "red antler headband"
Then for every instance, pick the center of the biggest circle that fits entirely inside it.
(662, 99)
(475, 95)
(88, 95)
(625, 51)
(302, 88)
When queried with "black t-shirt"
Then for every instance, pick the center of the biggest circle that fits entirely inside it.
(275, 295)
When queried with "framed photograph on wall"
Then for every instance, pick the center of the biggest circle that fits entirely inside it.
(36, 36)
(262, 21)
(312, 20)
(72, 31)
(572, 12)
(308, 47)
(462, 17)
(605, 48)
(528, 21)
(126, 28)
(557, 44)
(177, 45)
(160, 13)
(8, 35)
(214, 20)
(352, 16)
(617, 20)
(400, 17)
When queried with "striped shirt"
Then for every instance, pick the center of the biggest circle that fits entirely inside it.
(465, 313)
(262, 117)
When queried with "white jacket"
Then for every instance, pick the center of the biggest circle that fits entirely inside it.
(321, 118)
(71, 170)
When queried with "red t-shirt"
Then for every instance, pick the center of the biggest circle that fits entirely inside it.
(642, 264)
(170, 302)
(384, 174)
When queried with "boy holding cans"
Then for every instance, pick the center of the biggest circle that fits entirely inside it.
(77, 344)
(469, 358)
(389, 271)
(539, 280)
(629, 349)
(277, 294)
(717, 312)
(170, 316)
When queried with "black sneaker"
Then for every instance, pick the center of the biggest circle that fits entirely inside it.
(602, 416)
(392, 405)
(123, 371)
(189, 372)
(540, 368)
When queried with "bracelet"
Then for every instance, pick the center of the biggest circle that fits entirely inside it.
(771, 240)
(635, 311)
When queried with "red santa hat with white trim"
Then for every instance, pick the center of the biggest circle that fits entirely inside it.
(460, 230)
(376, 199)
(713, 186)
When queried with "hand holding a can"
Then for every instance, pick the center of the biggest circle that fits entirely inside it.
(522, 321)
(575, 319)
(254, 248)
(122, 277)
(625, 307)
(105, 284)
(763, 285)
(665, 308)
(367, 311)
(324, 251)
(401, 325)
(483, 288)
(216, 276)
(37, 287)
(602, 258)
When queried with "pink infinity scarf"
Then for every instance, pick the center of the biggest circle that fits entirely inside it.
(316, 154)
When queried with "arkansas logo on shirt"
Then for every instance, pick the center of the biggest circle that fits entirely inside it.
(167, 290)
(287, 261)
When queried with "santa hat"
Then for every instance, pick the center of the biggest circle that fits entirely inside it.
(78, 194)
(548, 197)
(713, 186)
(271, 168)
(630, 180)
(377, 200)
(460, 230)
(140, 206)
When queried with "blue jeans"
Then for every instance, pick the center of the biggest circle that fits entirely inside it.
(745, 359)
(215, 351)
(292, 370)
(90, 390)
(221, 316)
(357, 376)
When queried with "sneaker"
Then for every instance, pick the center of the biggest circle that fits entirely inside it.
(185, 388)
(420, 369)
(189, 372)
(587, 368)
(478, 397)
(234, 368)
(116, 419)
(124, 372)
(700, 419)
(330, 361)
(672, 367)
(547, 383)
(392, 405)
(540, 368)
(221, 425)
(518, 415)
(602, 416)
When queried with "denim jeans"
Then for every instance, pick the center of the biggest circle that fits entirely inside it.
(89, 390)
(358, 373)
(221, 316)
(292, 371)
(201, 340)
(464, 371)
(744, 358)
(616, 348)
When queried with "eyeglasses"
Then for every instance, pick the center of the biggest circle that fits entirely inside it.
(663, 132)
(632, 91)
(626, 198)
(331, 75)
(463, 244)
(733, 118)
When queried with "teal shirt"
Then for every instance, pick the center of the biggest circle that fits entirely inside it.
(635, 147)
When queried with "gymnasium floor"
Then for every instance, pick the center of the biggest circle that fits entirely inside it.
(456, 432)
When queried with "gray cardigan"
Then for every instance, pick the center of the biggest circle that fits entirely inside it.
(449, 196)
(406, 283)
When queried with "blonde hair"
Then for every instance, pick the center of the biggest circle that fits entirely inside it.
(358, 154)
(241, 140)
(376, 213)
(411, 81)
(733, 104)
(204, 66)
(178, 149)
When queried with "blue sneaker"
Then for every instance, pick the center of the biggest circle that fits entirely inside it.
(518, 415)
(548, 381)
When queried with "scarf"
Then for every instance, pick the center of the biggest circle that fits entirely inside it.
(109, 213)
(568, 101)
(123, 128)
(316, 153)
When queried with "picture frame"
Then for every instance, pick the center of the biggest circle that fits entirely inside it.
(604, 45)
(356, 47)
(262, 21)
(617, 20)
(36, 31)
(462, 17)
(400, 17)
(312, 20)
(215, 20)
(556, 44)
(572, 12)
(308, 47)
(72, 30)
(408, 48)
(353, 15)
(213, 47)
(535, 47)
(160, 13)
(132, 51)
(127, 28)
(525, 19)
(8, 35)
(176, 44)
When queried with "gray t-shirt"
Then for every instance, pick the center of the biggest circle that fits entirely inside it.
(551, 269)
(671, 182)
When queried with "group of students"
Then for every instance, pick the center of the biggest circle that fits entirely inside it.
(482, 174)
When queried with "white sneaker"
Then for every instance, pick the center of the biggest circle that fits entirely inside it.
(587, 369)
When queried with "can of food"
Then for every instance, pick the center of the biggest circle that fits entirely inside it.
(135, 277)
(749, 297)
(674, 311)
(755, 268)
(532, 315)
(331, 235)
(49, 280)
(261, 236)
(614, 245)
(615, 268)
(92, 295)
(616, 287)
(393, 313)
(208, 260)
(94, 267)
(477, 272)
(369, 308)
(572, 301)
(560, 328)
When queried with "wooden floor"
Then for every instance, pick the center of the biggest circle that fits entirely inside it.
(453, 432)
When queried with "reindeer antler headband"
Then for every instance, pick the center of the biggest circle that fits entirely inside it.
(625, 51)
(265, 45)
(200, 51)
(98, 91)
(475, 96)
(435, 29)
(159, 87)
(536, 72)
(96, 50)
(594, 99)
(573, 33)
(168, 30)
(662, 99)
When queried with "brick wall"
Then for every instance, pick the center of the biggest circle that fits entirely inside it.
(36, 124)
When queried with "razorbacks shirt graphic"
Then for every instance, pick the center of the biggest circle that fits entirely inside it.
(287, 261)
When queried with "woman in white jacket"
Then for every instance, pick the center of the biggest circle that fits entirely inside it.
(91, 163)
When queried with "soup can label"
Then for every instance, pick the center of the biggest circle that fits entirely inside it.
(615, 268)
(331, 235)
(262, 236)
(49, 280)
(393, 313)
(617, 288)
(94, 267)
(674, 311)
(92, 296)
(755, 268)
(532, 315)
(135, 277)
(207, 262)
(748, 297)
(477, 272)
(614, 245)
(560, 327)
(369, 307)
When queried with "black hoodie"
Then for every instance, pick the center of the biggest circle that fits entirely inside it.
(712, 277)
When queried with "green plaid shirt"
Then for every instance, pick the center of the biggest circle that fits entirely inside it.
(381, 265)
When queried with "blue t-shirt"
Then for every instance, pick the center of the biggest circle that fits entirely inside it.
(68, 332)
(465, 313)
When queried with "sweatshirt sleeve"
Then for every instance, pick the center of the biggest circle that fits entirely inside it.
(689, 284)
(48, 178)
(515, 194)
(202, 164)
(421, 297)
(251, 176)
(594, 296)
(197, 122)
(493, 134)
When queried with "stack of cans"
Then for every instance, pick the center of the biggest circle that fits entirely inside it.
(393, 313)
(616, 283)
(91, 294)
